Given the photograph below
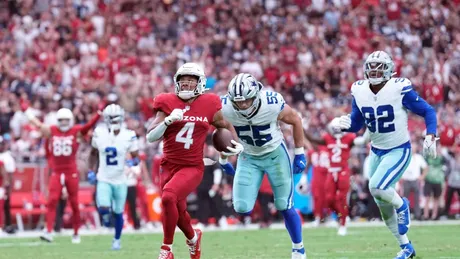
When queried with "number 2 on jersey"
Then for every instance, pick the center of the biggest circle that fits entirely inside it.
(380, 119)
(111, 155)
(185, 135)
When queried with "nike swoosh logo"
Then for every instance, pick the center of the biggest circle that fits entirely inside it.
(416, 98)
(273, 158)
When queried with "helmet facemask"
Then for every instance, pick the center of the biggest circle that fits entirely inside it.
(189, 81)
(378, 68)
(64, 124)
(187, 86)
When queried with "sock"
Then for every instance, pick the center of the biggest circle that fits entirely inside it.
(170, 215)
(118, 225)
(293, 225)
(105, 215)
(389, 196)
(194, 239)
(298, 248)
(389, 216)
(166, 247)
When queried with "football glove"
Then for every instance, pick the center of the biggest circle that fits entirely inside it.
(92, 178)
(176, 115)
(341, 123)
(300, 162)
(132, 162)
(233, 151)
(226, 166)
(429, 146)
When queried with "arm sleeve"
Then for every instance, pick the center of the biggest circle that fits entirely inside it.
(357, 120)
(85, 128)
(417, 105)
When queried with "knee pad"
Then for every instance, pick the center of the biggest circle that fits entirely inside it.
(168, 197)
(281, 204)
(241, 207)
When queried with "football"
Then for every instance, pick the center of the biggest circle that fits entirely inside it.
(221, 139)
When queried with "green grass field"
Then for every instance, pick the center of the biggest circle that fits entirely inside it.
(370, 242)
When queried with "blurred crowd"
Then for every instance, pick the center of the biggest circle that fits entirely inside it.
(79, 53)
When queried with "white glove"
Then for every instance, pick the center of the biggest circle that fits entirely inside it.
(176, 115)
(429, 146)
(233, 151)
(341, 123)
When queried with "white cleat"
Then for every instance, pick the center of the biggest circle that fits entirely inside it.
(76, 239)
(116, 244)
(297, 255)
(316, 223)
(342, 231)
(46, 236)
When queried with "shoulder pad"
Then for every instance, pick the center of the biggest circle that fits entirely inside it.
(359, 84)
(273, 99)
(402, 84)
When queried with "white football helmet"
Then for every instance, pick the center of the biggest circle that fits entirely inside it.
(65, 119)
(378, 68)
(114, 116)
(190, 69)
(244, 87)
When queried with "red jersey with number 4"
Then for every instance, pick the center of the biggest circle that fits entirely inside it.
(184, 140)
(63, 147)
(319, 158)
(339, 150)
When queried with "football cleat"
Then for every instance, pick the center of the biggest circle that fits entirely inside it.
(298, 254)
(76, 239)
(195, 248)
(46, 236)
(407, 251)
(165, 253)
(116, 244)
(403, 214)
(342, 231)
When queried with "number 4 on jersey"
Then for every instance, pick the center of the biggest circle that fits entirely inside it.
(185, 135)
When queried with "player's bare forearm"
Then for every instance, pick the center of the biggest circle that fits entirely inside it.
(220, 122)
(289, 116)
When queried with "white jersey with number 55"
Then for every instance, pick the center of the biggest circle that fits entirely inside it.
(260, 133)
(112, 153)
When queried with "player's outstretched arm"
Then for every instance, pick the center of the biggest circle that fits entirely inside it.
(161, 122)
(88, 126)
(44, 129)
(93, 165)
(314, 140)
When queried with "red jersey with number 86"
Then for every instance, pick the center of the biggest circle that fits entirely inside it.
(184, 140)
(63, 147)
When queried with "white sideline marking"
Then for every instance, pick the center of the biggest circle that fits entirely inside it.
(276, 226)
(24, 244)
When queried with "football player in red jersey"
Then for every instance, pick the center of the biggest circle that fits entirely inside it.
(182, 120)
(63, 146)
(338, 179)
(318, 158)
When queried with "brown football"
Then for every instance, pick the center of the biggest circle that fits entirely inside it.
(221, 139)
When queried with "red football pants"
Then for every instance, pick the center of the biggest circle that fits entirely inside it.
(57, 181)
(337, 187)
(317, 188)
(177, 182)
